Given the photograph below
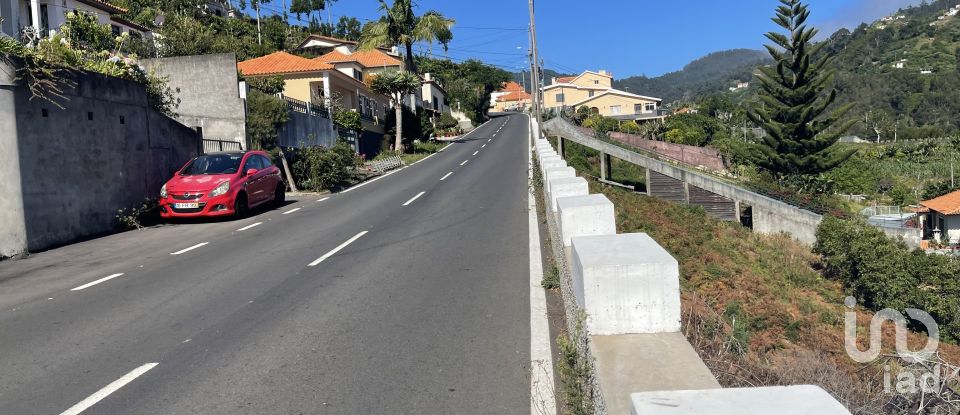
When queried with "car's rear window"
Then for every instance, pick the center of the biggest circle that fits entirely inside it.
(213, 164)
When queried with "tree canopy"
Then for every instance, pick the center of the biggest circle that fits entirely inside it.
(399, 26)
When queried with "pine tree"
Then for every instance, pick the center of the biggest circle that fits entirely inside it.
(794, 111)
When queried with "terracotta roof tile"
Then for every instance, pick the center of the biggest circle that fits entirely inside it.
(948, 204)
(511, 87)
(103, 5)
(369, 58)
(565, 79)
(514, 96)
(280, 63)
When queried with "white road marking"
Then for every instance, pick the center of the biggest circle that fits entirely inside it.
(107, 390)
(91, 284)
(475, 152)
(414, 198)
(189, 249)
(489, 140)
(321, 200)
(495, 135)
(335, 250)
(249, 226)
(483, 146)
(371, 181)
(445, 176)
(542, 398)
(464, 162)
(291, 211)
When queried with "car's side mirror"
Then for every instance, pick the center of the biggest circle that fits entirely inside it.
(251, 172)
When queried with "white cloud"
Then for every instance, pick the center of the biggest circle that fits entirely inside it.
(861, 11)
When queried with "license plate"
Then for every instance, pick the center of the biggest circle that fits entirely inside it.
(186, 205)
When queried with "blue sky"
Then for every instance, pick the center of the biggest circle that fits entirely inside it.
(627, 37)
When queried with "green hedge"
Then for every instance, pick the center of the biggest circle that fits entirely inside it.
(884, 273)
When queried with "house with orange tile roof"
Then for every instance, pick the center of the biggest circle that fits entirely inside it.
(317, 81)
(506, 89)
(46, 16)
(941, 217)
(318, 45)
(595, 90)
(513, 101)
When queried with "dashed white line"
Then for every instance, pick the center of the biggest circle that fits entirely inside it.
(445, 176)
(337, 249)
(189, 249)
(107, 390)
(249, 227)
(483, 146)
(475, 152)
(464, 162)
(321, 200)
(489, 140)
(495, 135)
(291, 211)
(414, 198)
(91, 284)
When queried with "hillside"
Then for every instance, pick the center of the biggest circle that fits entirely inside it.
(709, 74)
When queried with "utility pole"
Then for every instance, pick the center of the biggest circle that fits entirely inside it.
(537, 104)
(259, 37)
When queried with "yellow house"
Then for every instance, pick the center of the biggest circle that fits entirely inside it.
(316, 81)
(595, 90)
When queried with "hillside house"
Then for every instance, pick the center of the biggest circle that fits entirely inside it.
(595, 91)
(511, 97)
(941, 217)
(316, 81)
(45, 17)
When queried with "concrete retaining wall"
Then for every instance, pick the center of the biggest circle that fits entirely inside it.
(770, 216)
(75, 167)
(209, 93)
(306, 130)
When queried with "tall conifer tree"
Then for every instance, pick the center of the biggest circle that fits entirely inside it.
(794, 110)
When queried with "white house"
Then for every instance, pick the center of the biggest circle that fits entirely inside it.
(433, 95)
(46, 16)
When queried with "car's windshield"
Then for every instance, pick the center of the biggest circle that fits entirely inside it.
(213, 164)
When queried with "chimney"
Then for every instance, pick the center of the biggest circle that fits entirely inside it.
(603, 72)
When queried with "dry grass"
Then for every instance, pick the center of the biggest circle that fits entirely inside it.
(755, 307)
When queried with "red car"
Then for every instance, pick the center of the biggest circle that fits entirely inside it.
(222, 184)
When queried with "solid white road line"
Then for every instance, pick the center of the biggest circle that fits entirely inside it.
(91, 284)
(107, 390)
(375, 179)
(445, 176)
(464, 162)
(321, 200)
(189, 249)
(414, 198)
(249, 226)
(337, 249)
(291, 211)
(542, 398)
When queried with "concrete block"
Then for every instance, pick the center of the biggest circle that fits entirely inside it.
(627, 284)
(782, 400)
(546, 154)
(549, 165)
(589, 215)
(557, 173)
(566, 187)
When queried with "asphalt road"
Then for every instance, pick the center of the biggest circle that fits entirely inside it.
(426, 312)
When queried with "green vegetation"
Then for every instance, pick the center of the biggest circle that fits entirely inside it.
(799, 139)
(551, 279)
(319, 168)
(399, 26)
(468, 84)
(396, 85)
(139, 217)
(574, 371)
(883, 273)
(708, 75)
(420, 150)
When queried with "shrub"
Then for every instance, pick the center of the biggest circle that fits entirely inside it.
(629, 127)
(321, 168)
(348, 120)
(447, 122)
(884, 273)
(148, 213)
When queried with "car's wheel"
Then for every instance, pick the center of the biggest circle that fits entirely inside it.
(240, 206)
(280, 195)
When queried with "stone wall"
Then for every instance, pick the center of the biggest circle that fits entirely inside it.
(66, 172)
(209, 93)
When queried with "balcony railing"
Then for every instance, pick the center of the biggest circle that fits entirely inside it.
(308, 108)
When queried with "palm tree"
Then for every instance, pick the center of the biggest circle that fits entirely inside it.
(400, 26)
(396, 85)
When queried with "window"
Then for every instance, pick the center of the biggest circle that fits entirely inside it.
(115, 30)
(265, 162)
(596, 82)
(358, 75)
(650, 107)
(591, 93)
(559, 97)
(637, 108)
(135, 35)
(614, 110)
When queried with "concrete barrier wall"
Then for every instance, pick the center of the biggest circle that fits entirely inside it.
(628, 288)
(77, 166)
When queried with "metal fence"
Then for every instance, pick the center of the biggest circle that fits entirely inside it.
(308, 108)
(384, 164)
(216, 146)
